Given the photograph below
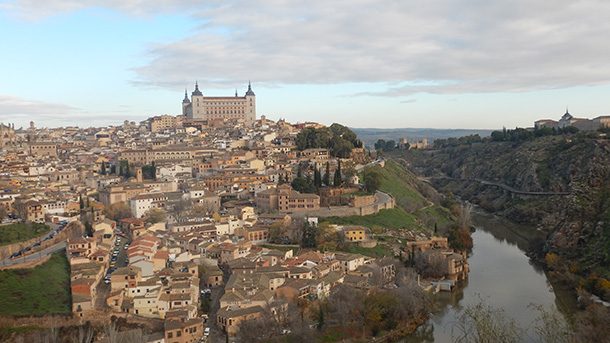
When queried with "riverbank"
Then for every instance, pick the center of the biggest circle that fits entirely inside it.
(501, 275)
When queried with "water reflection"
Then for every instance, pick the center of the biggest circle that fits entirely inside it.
(500, 274)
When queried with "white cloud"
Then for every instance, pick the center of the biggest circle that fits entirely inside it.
(434, 46)
(12, 107)
(20, 111)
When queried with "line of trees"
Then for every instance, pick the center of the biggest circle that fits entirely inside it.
(517, 134)
(308, 185)
(383, 145)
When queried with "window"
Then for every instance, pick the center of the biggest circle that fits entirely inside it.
(178, 333)
(170, 335)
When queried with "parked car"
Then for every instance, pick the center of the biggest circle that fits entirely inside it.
(206, 331)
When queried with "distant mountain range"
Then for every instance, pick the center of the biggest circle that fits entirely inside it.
(369, 135)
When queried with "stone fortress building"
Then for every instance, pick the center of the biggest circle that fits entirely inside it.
(210, 108)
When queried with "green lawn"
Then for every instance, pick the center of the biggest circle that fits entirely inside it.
(395, 218)
(401, 184)
(380, 250)
(20, 232)
(42, 290)
(435, 214)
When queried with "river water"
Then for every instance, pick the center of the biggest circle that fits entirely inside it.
(501, 275)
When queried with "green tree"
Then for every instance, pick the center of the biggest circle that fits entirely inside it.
(103, 169)
(337, 180)
(372, 181)
(81, 203)
(88, 229)
(317, 178)
(148, 172)
(460, 239)
(320, 324)
(326, 179)
(380, 144)
(309, 238)
(124, 168)
(303, 185)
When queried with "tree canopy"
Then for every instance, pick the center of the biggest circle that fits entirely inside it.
(339, 139)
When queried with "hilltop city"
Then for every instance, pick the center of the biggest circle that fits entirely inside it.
(205, 221)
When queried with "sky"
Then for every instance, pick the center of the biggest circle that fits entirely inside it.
(363, 63)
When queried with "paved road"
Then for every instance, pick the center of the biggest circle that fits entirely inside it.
(35, 256)
(361, 167)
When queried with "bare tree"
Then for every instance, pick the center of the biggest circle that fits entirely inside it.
(431, 263)
(481, 323)
(413, 299)
(181, 209)
(465, 217)
(112, 331)
(258, 330)
(346, 306)
(75, 229)
(551, 327)
(84, 334)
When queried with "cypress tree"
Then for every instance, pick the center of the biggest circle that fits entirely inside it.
(337, 179)
(317, 178)
(326, 179)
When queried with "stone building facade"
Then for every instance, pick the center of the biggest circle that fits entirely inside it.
(211, 108)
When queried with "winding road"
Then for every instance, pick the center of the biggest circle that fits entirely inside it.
(35, 256)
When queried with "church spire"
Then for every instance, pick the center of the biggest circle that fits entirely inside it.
(186, 97)
(249, 92)
(197, 91)
(236, 92)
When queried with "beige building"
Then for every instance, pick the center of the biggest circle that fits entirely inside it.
(285, 199)
(165, 122)
(43, 149)
(220, 108)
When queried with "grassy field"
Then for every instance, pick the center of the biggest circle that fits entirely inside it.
(378, 251)
(401, 184)
(395, 218)
(20, 232)
(42, 290)
(435, 214)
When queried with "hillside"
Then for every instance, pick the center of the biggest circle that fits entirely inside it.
(417, 203)
(568, 180)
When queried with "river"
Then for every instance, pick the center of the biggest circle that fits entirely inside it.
(501, 275)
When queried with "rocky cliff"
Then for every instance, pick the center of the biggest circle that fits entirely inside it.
(559, 184)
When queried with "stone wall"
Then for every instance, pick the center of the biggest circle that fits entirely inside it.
(382, 201)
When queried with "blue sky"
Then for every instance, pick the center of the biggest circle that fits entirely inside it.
(364, 63)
